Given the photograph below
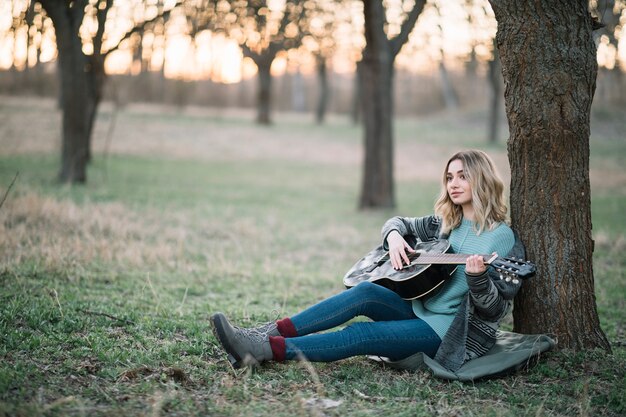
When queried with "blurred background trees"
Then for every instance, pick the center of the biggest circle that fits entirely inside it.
(262, 33)
(269, 55)
(82, 45)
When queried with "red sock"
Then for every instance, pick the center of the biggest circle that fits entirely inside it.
(286, 327)
(279, 350)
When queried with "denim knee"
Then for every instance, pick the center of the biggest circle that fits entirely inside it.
(367, 289)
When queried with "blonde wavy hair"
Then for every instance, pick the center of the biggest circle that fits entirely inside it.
(487, 193)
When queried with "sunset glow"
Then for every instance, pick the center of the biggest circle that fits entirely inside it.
(442, 32)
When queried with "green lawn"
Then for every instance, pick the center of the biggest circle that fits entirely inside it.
(107, 288)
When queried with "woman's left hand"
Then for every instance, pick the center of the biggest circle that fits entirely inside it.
(475, 265)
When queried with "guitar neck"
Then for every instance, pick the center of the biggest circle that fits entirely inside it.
(447, 259)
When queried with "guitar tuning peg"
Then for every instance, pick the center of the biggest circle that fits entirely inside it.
(516, 281)
(501, 277)
(508, 279)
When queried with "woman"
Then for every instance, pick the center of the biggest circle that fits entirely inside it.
(455, 325)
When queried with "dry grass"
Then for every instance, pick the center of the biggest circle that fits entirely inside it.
(62, 235)
(165, 131)
(59, 234)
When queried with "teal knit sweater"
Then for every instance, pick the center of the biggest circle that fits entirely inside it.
(439, 310)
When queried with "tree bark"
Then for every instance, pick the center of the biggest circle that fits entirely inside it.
(376, 77)
(549, 65)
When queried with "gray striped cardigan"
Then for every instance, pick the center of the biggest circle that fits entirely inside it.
(473, 330)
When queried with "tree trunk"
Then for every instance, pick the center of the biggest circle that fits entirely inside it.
(355, 102)
(298, 95)
(322, 99)
(264, 93)
(376, 87)
(549, 66)
(376, 77)
(76, 108)
(96, 78)
(75, 95)
(494, 76)
(450, 97)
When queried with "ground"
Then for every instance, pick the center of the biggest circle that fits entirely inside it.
(107, 287)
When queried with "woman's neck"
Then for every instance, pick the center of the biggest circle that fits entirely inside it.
(468, 212)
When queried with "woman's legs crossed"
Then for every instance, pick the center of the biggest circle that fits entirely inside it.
(366, 299)
(395, 331)
(393, 339)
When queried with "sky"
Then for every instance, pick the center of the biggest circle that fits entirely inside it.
(441, 32)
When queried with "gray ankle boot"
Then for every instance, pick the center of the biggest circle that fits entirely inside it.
(245, 347)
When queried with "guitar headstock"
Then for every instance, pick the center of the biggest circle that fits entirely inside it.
(512, 269)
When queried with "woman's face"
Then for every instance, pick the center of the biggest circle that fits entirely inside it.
(457, 185)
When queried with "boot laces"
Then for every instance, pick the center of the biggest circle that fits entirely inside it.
(258, 334)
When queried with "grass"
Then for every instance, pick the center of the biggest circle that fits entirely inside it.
(107, 288)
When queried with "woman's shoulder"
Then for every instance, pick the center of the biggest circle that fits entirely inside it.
(502, 230)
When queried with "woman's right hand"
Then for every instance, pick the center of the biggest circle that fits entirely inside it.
(398, 250)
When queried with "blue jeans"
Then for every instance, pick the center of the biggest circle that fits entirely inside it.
(395, 331)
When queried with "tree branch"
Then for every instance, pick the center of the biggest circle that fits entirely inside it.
(101, 17)
(284, 43)
(112, 317)
(407, 26)
(9, 189)
(249, 53)
(141, 26)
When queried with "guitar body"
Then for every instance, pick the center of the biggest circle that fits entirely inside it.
(411, 282)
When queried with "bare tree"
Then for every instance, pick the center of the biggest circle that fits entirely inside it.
(82, 77)
(319, 39)
(375, 71)
(321, 63)
(549, 65)
(262, 32)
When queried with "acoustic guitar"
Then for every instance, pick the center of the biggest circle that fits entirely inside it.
(430, 266)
